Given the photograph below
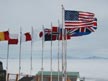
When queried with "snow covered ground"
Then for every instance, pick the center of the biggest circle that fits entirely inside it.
(92, 70)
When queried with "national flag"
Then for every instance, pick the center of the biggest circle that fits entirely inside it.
(4, 36)
(13, 39)
(80, 31)
(48, 36)
(74, 32)
(45, 31)
(26, 37)
(57, 31)
(66, 35)
(78, 18)
(95, 23)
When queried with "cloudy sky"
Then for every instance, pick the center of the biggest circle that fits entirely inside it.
(35, 13)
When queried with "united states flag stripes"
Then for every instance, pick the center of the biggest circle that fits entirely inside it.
(78, 24)
(78, 18)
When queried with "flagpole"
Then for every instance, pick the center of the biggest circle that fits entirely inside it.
(7, 57)
(20, 52)
(42, 53)
(58, 50)
(31, 51)
(51, 55)
(63, 54)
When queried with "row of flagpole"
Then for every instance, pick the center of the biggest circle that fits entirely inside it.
(20, 49)
(64, 51)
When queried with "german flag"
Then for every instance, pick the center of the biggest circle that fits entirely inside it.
(4, 36)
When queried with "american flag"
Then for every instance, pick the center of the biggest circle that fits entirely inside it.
(80, 23)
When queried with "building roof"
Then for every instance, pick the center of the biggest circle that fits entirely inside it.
(55, 73)
(26, 79)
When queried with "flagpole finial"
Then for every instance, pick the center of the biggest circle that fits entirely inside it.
(62, 6)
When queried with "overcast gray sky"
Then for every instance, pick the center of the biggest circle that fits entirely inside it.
(27, 13)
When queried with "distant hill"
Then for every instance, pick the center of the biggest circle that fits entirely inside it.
(96, 57)
(89, 57)
(68, 57)
(71, 57)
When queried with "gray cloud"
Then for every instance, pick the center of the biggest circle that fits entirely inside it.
(27, 13)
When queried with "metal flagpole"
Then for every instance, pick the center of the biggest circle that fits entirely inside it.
(58, 50)
(20, 52)
(7, 56)
(31, 51)
(7, 60)
(51, 55)
(42, 53)
(63, 54)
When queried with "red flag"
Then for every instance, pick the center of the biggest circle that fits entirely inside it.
(13, 39)
(6, 33)
(55, 29)
(28, 37)
(66, 37)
